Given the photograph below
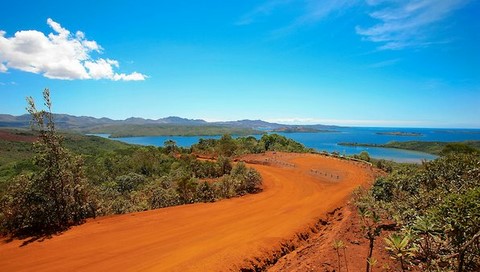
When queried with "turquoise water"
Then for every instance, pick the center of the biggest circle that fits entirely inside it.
(329, 141)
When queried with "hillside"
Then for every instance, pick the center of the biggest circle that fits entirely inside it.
(118, 131)
(16, 149)
(169, 126)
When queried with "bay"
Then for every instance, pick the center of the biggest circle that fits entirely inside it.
(328, 141)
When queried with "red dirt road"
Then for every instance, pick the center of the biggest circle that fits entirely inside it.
(226, 235)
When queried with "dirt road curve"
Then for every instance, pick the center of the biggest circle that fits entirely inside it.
(221, 236)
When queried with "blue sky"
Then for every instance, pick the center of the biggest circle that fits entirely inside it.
(409, 63)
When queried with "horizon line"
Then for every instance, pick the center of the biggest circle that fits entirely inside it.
(301, 122)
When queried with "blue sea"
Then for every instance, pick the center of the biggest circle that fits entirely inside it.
(328, 141)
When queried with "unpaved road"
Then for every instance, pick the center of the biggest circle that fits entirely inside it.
(221, 236)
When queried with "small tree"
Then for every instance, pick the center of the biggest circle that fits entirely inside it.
(170, 146)
(364, 156)
(56, 196)
(227, 145)
(224, 165)
(186, 188)
(253, 181)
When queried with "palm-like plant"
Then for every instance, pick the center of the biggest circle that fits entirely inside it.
(340, 245)
(372, 262)
(400, 247)
(429, 233)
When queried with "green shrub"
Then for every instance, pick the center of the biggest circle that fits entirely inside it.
(52, 198)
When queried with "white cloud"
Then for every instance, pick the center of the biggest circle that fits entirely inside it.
(312, 12)
(59, 55)
(133, 76)
(406, 23)
(101, 68)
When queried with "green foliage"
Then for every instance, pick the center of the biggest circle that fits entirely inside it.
(459, 216)
(205, 192)
(246, 180)
(226, 187)
(401, 247)
(224, 165)
(364, 156)
(118, 131)
(436, 148)
(186, 189)
(459, 148)
(59, 187)
(170, 146)
(163, 194)
(438, 203)
(384, 165)
(52, 198)
(128, 183)
(276, 142)
(383, 189)
(14, 151)
(227, 146)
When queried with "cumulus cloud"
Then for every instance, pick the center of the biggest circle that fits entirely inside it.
(405, 23)
(60, 55)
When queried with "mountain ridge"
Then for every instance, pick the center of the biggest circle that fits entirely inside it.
(86, 123)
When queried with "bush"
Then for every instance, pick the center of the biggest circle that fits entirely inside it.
(52, 198)
(130, 182)
(459, 215)
(383, 189)
(205, 192)
(439, 202)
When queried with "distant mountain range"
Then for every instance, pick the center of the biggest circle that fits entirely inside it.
(87, 124)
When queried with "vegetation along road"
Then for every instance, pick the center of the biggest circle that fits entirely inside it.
(245, 232)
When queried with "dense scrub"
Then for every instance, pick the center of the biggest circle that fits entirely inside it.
(59, 187)
(436, 207)
(129, 180)
(228, 146)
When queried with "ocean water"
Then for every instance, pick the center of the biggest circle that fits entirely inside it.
(328, 141)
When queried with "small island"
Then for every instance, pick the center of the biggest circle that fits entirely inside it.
(434, 148)
(400, 133)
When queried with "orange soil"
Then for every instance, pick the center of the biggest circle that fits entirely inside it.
(15, 137)
(318, 253)
(248, 232)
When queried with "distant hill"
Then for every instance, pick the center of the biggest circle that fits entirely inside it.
(66, 121)
(135, 126)
(254, 124)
